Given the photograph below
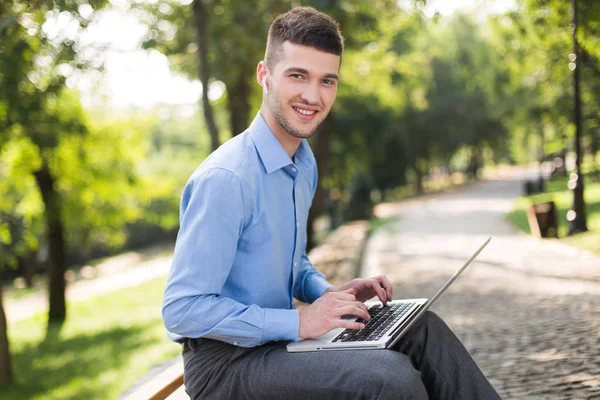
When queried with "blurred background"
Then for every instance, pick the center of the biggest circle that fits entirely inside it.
(107, 107)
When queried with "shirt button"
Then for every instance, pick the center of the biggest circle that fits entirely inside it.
(235, 343)
(297, 224)
(295, 264)
(294, 169)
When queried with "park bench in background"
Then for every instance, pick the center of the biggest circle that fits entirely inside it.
(543, 220)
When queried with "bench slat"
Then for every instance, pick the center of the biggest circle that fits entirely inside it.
(163, 385)
(179, 394)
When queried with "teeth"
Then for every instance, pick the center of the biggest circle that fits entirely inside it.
(304, 112)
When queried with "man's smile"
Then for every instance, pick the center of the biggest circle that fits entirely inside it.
(305, 113)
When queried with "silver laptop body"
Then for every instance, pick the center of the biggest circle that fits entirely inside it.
(412, 310)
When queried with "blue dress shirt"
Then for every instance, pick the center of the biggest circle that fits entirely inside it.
(240, 255)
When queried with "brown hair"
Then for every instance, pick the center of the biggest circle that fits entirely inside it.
(304, 26)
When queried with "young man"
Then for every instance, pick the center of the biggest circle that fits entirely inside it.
(240, 258)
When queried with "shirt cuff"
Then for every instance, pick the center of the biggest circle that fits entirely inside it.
(315, 288)
(281, 324)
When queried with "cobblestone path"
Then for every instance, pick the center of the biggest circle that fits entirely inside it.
(527, 310)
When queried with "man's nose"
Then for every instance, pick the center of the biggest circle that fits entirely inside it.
(310, 94)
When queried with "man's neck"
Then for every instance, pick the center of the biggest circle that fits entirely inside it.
(290, 144)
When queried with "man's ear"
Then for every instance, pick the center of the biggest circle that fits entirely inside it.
(261, 74)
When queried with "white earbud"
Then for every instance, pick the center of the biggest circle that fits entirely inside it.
(264, 85)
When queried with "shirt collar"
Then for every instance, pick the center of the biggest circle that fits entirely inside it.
(270, 150)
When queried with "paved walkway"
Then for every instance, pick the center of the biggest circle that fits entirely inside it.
(528, 310)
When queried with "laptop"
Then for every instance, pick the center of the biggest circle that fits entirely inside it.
(387, 325)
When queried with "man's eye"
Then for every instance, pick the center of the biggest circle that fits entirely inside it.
(328, 82)
(297, 76)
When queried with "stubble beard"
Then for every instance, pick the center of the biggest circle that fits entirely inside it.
(279, 114)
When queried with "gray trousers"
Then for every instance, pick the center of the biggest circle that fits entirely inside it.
(428, 362)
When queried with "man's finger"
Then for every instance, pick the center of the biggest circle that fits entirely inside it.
(353, 302)
(345, 296)
(387, 286)
(353, 310)
(362, 305)
(344, 323)
(376, 285)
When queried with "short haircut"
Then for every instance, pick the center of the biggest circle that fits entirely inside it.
(303, 26)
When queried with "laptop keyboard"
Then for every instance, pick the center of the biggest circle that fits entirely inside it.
(382, 319)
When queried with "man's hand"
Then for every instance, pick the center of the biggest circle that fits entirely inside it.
(378, 286)
(325, 313)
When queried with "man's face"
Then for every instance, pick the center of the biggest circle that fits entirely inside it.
(302, 88)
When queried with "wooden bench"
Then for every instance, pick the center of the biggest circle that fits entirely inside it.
(168, 385)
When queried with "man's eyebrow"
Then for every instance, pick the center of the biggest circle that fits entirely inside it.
(305, 72)
(296, 69)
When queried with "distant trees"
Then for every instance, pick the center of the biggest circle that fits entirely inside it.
(536, 45)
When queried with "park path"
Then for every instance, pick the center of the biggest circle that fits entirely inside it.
(119, 272)
(527, 310)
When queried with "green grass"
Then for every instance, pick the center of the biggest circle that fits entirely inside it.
(106, 344)
(377, 223)
(556, 190)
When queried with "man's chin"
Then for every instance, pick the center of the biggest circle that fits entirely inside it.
(302, 134)
(298, 129)
(305, 132)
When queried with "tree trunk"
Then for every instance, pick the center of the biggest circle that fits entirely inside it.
(595, 147)
(321, 151)
(542, 154)
(563, 155)
(238, 99)
(200, 22)
(418, 179)
(5, 359)
(56, 245)
(29, 264)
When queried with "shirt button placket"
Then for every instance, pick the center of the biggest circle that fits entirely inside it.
(294, 170)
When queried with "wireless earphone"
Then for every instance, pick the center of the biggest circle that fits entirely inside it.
(264, 85)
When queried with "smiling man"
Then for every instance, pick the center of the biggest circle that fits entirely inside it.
(240, 258)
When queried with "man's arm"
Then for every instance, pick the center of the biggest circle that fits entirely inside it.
(310, 283)
(212, 219)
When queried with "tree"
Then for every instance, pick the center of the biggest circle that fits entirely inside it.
(215, 41)
(60, 174)
(31, 67)
(201, 24)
